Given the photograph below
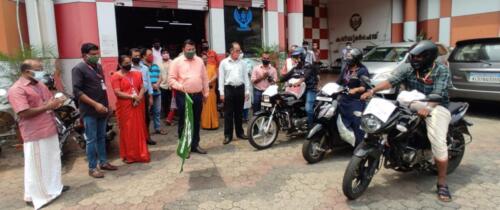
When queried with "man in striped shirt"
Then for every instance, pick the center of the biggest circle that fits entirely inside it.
(155, 79)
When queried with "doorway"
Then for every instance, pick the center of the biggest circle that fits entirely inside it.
(138, 27)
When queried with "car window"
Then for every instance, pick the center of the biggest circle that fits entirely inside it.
(386, 54)
(477, 52)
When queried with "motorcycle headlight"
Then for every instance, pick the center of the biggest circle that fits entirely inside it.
(266, 98)
(327, 110)
(370, 123)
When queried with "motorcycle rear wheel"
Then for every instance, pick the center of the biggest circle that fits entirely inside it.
(360, 172)
(256, 135)
(311, 152)
(455, 154)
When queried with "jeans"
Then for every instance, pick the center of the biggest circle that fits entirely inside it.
(310, 99)
(257, 97)
(156, 112)
(95, 135)
(245, 114)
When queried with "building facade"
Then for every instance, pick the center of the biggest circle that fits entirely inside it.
(65, 24)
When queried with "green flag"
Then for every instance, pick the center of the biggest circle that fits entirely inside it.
(184, 145)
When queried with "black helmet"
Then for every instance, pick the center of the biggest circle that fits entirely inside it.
(426, 50)
(299, 52)
(355, 58)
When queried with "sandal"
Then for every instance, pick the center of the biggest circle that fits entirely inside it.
(443, 192)
(161, 132)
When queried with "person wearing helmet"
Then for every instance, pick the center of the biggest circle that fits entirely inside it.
(308, 74)
(348, 104)
(428, 77)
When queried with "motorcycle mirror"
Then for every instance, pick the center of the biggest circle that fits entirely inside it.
(3, 92)
(433, 98)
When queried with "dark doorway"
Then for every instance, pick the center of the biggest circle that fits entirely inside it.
(138, 27)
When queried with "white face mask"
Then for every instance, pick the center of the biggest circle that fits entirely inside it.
(38, 75)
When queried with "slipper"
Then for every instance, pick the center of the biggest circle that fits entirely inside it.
(443, 192)
(161, 132)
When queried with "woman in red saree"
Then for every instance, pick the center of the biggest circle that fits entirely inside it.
(130, 108)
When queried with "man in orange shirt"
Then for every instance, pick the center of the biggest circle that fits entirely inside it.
(188, 75)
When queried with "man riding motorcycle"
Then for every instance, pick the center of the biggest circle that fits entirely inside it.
(427, 77)
(308, 74)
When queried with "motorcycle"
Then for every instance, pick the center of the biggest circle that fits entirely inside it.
(281, 111)
(328, 130)
(68, 119)
(8, 122)
(397, 139)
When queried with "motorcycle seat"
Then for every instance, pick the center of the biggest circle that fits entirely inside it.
(293, 102)
(456, 107)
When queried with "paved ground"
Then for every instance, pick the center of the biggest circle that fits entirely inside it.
(238, 177)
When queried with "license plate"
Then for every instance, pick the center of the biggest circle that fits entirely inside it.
(266, 104)
(484, 77)
(321, 98)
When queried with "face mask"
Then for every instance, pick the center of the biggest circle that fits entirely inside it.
(266, 62)
(189, 54)
(38, 75)
(349, 62)
(150, 59)
(165, 56)
(92, 59)
(348, 47)
(205, 48)
(136, 60)
(157, 47)
(127, 67)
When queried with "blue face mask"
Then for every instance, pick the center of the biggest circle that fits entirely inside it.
(38, 75)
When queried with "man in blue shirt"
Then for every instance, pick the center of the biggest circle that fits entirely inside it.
(155, 79)
(137, 65)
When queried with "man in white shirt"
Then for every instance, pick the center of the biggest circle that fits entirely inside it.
(310, 57)
(234, 87)
(157, 57)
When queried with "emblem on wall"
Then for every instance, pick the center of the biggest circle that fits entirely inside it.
(355, 21)
(243, 16)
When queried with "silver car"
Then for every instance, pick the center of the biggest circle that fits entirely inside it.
(382, 60)
(475, 69)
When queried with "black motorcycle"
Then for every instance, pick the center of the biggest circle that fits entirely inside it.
(328, 130)
(281, 111)
(400, 142)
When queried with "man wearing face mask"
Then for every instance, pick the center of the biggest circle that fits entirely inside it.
(157, 49)
(90, 91)
(33, 103)
(166, 93)
(262, 77)
(137, 65)
(234, 87)
(155, 107)
(188, 75)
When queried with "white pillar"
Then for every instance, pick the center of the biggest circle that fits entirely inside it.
(295, 29)
(48, 27)
(34, 31)
(106, 23)
(217, 38)
(272, 29)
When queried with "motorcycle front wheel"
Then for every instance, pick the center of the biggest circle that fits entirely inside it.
(313, 150)
(259, 136)
(358, 175)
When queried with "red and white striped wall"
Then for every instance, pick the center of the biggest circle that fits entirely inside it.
(397, 21)
(410, 20)
(316, 29)
(271, 20)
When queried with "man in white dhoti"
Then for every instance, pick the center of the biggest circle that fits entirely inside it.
(33, 103)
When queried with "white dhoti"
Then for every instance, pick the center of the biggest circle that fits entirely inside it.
(42, 171)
